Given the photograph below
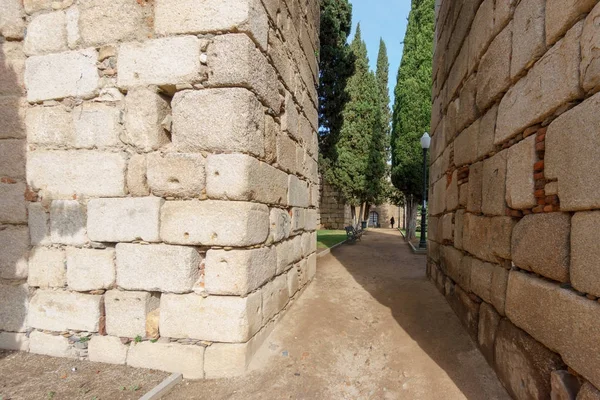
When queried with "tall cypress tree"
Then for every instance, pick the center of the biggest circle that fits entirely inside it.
(336, 66)
(412, 106)
(382, 74)
(359, 165)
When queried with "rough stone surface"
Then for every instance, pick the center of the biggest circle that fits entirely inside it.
(49, 126)
(124, 220)
(488, 325)
(588, 392)
(50, 345)
(520, 185)
(47, 268)
(561, 15)
(218, 120)
(176, 175)
(552, 82)
(14, 307)
(223, 360)
(61, 311)
(297, 192)
(145, 112)
(14, 208)
(170, 357)
(184, 16)
(564, 385)
(481, 279)
(275, 296)
(238, 272)
(487, 127)
(14, 341)
(590, 38)
(488, 238)
(498, 292)
(540, 243)
(107, 349)
(12, 112)
(584, 268)
(11, 21)
(214, 318)
(573, 162)
(164, 61)
(281, 224)
(241, 177)
(569, 325)
(494, 184)
(14, 242)
(465, 308)
(126, 312)
(109, 21)
(529, 42)
(68, 223)
(157, 268)
(217, 223)
(88, 173)
(60, 75)
(96, 126)
(465, 145)
(475, 190)
(89, 269)
(493, 77)
(523, 364)
(137, 182)
(46, 33)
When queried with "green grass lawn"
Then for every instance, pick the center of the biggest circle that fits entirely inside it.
(327, 238)
(418, 233)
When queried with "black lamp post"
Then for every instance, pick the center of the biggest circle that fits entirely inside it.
(425, 142)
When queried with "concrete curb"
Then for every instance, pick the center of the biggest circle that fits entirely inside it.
(163, 388)
(327, 251)
(417, 250)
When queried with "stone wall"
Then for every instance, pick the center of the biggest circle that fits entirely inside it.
(158, 177)
(334, 213)
(515, 200)
(386, 212)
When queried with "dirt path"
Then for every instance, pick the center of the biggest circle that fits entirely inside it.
(370, 327)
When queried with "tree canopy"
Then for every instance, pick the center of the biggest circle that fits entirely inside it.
(382, 74)
(412, 107)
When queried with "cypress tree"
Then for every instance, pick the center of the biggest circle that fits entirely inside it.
(382, 74)
(359, 165)
(336, 66)
(412, 106)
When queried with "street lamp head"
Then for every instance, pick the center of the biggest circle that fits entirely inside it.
(425, 141)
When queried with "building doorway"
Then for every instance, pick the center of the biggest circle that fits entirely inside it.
(373, 219)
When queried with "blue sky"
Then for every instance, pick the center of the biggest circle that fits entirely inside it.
(386, 19)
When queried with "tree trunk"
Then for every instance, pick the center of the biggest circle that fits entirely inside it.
(367, 210)
(411, 214)
(353, 212)
(360, 215)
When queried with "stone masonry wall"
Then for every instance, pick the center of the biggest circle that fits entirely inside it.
(515, 178)
(158, 177)
(334, 213)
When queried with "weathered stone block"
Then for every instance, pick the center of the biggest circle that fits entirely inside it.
(107, 349)
(137, 181)
(13, 70)
(588, 392)
(87, 173)
(298, 192)
(493, 75)
(488, 238)
(275, 296)
(573, 162)
(46, 33)
(590, 38)
(50, 345)
(14, 242)
(560, 16)
(498, 291)
(241, 177)
(224, 360)
(214, 318)
(465, 145)
(488, 325)
(288, 252)
(89, 269)
(11, 19)
(451, 262)
(564, 385)
(12, 112)
(218, 120)
(585, 270)
(184, 16)
(286, 153)
(475, 189)
(14, 307)
(176, 175)
(540, 243)
(238, 272)
(552, 82)
(124, 219)
(14, 341)
(487, 127)
(458, 229)
(50, 126)
(110, 21)
(438, 197)
(12, 158)
(59, 75)
(298, 219)
(170, 357)
(528, 41)
(569, 324)
(281, 224)
(520, 184)
(32, 6)
(96, 126)
(145, 112)
(481, 279)
(234, 61)
(293, 283)
(157, 268)
(61, 311)
(47, 268)
(465, 308)
(164, 61)
(14, 207)
(523, 364)
(494, 184)
(447, 227)
(452, 192)
(312, 261)
(126, 312)
(216, 223)
(67, 223)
